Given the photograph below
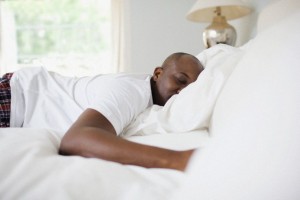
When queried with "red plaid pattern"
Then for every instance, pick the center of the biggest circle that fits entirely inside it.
(5, 98)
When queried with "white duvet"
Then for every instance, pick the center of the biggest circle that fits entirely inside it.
(31, 168)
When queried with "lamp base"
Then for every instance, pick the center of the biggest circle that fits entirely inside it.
(219, 32)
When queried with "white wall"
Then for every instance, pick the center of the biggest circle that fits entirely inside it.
(157, 28)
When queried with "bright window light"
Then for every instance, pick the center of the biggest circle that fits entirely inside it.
(72, 37)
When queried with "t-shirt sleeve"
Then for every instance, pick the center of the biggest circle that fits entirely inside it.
(119, 100)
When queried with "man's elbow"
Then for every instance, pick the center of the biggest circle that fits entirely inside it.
(69, 145)
(73, 145)
(65, 148)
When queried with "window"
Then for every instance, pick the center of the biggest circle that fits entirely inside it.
(72, 37)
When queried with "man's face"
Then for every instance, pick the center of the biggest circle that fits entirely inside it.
(172, 79)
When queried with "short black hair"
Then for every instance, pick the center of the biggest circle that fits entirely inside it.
(176, 56)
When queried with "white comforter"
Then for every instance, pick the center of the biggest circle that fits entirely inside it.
(31, 169)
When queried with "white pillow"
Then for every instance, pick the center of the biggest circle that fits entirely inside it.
(255, 151)
(191, 109)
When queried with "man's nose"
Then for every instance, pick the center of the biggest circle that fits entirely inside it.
(179, 90)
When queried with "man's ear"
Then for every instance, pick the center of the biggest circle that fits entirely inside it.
(157, 72)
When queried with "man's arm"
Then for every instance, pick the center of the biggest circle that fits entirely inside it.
(92, 135)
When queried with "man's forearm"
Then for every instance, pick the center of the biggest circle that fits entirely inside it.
(92, 135)
(95, 142)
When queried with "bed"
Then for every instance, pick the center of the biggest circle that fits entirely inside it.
(242, 115)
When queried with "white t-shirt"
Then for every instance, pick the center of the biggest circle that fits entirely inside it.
(43, 99)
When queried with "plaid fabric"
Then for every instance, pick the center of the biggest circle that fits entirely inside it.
(5, 100)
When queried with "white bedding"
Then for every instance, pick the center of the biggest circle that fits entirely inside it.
(254, 153)
(192, 108)
(32, 169)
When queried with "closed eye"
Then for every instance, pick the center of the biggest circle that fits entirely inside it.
(181, 79)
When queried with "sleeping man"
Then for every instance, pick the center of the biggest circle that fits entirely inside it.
(94, 110)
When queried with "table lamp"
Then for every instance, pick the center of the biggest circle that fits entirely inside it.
(218, 12)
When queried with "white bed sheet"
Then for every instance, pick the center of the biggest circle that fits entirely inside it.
(31, 169)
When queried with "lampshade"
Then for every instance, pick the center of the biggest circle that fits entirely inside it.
(217, 12)
(204, 10)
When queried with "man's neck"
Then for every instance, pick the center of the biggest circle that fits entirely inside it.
(155, 95)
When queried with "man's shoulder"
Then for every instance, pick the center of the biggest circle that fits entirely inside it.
(122, 80)
(137, 76)
(127, 83)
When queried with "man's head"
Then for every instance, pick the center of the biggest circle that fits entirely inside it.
(176, 72)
